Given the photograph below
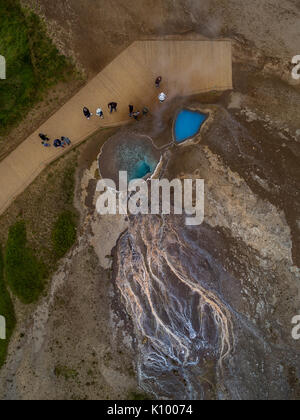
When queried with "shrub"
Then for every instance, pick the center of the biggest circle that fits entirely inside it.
(64, 233)
(138, 396)
(65, 372)
(68, 184)
(6, 310)
(24, 272)
(33, 62)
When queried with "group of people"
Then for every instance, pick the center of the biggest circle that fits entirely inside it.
(136, 114)
(62, 142)
(162, 96)
(112, 106)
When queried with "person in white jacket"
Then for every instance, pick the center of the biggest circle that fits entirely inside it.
(162, 97)
(99, 113)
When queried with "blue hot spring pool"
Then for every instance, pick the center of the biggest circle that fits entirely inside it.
(130, 152)
(188, 124)
(141, 169)
(137, 157)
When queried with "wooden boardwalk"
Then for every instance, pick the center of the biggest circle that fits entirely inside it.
(188, 67)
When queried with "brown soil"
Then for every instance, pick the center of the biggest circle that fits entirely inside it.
(88, 355)
(96, 31)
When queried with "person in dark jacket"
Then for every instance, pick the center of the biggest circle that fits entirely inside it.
(145, 111)
(158, 82)
(86, 113)
(130, 110)
(44, 137)
(65, 141)
(136, 115)
(113, 106)
(57, 143)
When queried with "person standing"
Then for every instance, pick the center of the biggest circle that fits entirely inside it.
(65, 141)
(99, 113)
(158, 82)
(57, 143)
(44, 137)
(130, 110)
(86, 113)
(145, 111)
(136, 115)
(162, 97)
(113, 106)
(45, 144)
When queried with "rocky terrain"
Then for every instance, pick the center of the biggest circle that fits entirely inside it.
(95, 31)
(212, 305)
(181, 312)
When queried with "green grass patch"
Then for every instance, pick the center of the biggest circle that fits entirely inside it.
(50, 231)
(65, 372)
(6, 310)
(64, 233)
(33, 63)
(24, 273)
(138, 396)
(68, 184)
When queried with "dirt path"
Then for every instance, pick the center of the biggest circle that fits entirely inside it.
(190, 67)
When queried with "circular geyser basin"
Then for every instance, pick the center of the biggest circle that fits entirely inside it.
(188, 124)
(128, 152)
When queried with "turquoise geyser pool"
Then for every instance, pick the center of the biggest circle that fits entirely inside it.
(137, 159)
(188, 124)
(130, 152)
(141, 169)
